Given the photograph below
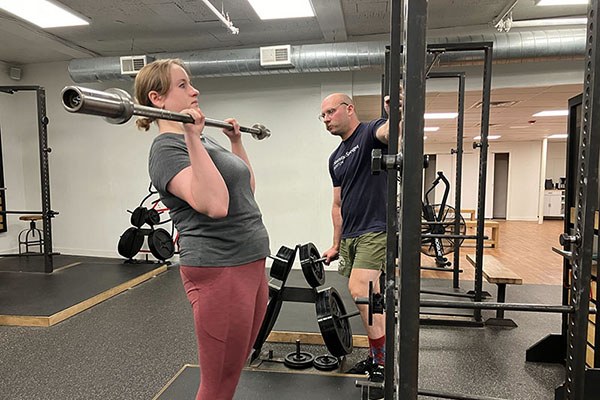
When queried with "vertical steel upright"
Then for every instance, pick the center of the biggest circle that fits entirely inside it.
(458, 178)
(414, 23)
(45, 179)
(586, 204)
(392, 82)
(392, 70)
(483, 153)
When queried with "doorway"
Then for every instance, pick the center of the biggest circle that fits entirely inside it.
(500, 185)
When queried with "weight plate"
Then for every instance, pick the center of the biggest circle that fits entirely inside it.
(326, 362)
(130, 243)
(152, 217)
(282, 263)
(161, 244)
(138, 216)
(299, 360)
(313, 271)
(336, 331)
(273, 308)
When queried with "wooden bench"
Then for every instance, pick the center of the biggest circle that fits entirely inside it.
(470, 212)
(496, 273)
(494, 238)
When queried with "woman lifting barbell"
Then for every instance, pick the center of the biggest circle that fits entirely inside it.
(223, 241)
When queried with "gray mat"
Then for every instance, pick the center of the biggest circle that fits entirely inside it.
(131, 345)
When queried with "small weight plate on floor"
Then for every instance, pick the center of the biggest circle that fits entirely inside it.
(300, 360)
(336, 331)
(326, 362)
(161, 244)
(313, 271)
(138, 216)
(282, 263)
(131, 242)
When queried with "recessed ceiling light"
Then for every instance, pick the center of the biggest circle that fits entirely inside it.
(552, 113)
(560, 2)
(490, 137)
(43, 13)
(277, 9)
(558, 136)
(431, 128)
(441, 115)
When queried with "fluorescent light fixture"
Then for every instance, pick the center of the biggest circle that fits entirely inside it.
(558, 136)
(278, 9)
(43, 13)
(560, 2)
(552, 113)
(441, 115)
(549, 22)
(431, 128)
(490, 137)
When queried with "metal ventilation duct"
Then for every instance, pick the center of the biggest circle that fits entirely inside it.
(511, 47)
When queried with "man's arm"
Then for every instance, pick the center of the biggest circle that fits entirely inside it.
(336, 218)
(383, 132)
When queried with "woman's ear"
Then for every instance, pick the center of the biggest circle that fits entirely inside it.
(155, 99)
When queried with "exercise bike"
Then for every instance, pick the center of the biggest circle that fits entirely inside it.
(439, 219)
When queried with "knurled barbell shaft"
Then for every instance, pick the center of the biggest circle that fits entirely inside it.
(117, 107)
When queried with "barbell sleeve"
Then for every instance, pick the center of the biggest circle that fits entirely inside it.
(117, 107)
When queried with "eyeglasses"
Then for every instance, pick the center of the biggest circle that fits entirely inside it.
(330, 112)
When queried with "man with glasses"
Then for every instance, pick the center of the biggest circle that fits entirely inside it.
(359, 216)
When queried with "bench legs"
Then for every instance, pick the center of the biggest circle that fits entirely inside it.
(500, 320)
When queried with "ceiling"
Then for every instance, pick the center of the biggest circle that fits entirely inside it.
(131, 27)
(512, 118)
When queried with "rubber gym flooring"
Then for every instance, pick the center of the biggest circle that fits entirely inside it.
(140, 344)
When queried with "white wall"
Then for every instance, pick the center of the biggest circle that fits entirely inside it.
(18, 127)
(556, 166)
(98, 170)
(523, 179)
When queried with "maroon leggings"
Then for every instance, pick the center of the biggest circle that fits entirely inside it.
(229, 304)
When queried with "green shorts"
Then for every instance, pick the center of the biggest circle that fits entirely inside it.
(366, 251)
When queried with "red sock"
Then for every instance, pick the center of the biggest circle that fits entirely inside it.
(377, 350)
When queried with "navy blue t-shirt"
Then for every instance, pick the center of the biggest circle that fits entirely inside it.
(363, 194)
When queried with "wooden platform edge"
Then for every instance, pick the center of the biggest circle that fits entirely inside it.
(173, 379)
(361, 341)
(46, 321)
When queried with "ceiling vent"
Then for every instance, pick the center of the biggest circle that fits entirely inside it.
(276, 56)
(131, 65)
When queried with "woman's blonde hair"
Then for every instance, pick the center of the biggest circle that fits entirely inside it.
(155, 76)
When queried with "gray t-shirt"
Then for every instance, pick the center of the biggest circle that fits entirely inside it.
(237, 239)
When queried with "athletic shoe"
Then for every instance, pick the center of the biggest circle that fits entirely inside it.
(362, 367)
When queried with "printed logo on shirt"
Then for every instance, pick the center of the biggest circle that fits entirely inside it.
(340, 160)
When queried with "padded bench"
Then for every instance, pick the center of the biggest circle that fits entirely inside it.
(494, 239)
(496, 273)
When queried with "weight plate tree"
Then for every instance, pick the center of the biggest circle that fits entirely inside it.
(284, 259)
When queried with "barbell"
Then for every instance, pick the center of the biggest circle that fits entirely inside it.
(117, 107)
